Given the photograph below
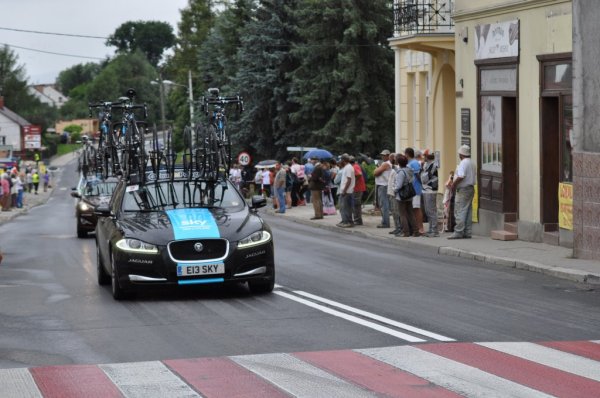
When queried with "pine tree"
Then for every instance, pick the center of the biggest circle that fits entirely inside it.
(265, 61)
(345, 83)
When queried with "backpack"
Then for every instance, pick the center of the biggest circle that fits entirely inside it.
(432, 175)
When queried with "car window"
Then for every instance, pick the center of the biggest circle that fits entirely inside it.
(181, 194)
(99, 188)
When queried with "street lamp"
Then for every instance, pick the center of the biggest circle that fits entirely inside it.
(188, 88)
(162, 101)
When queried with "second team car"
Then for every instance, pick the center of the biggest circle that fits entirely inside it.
(90, 192)
(174, 233)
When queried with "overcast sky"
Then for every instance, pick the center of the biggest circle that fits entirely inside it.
(77, 17)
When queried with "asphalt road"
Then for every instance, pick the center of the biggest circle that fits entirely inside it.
(334, 292)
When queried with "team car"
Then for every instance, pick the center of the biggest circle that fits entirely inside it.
(90, 193)
(177, 233)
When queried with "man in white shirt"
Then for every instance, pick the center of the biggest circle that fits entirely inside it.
(463, 184)
(346, 192)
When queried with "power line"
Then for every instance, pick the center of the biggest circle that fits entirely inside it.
(50, 52)
(54, 33)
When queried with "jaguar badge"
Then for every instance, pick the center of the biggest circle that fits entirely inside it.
(198, 247)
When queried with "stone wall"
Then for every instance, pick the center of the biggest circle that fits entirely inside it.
(586, 205)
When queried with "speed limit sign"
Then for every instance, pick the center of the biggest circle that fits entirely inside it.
(244, 158)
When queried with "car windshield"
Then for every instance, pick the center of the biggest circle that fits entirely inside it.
(99, 188)
(181, 194)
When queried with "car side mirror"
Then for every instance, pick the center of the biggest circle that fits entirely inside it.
(258, 201)
(75, 194)
(103, 210)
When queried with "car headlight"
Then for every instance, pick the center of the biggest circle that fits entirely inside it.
(257, 238)
(84, 206)
(136, 246)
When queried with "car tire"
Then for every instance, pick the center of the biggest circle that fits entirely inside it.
(103, 277)
(81, 233)
(262, 286)
(118, 292)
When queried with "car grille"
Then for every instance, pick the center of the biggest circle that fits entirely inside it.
(183, 250)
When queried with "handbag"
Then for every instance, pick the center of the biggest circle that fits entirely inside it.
(407, 191)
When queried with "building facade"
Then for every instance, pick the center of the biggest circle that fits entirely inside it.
(503, 86)
(423, 45)
(48, 94)
(514, 62)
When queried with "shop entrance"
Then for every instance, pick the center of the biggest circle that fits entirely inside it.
(499, 163)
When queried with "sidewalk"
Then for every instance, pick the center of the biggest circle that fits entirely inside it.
(31, 200)
(537, 257)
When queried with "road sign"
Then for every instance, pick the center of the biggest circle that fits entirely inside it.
(244, 158)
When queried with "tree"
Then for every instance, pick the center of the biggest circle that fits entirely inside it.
(13, 87)
(152, 38)
(344, 85)
(218, 54)
(77, 75)
(265, 62)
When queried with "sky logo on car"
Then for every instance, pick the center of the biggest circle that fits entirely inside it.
(193, 223)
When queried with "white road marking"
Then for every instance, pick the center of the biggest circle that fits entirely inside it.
(551, 357)
(460, 378)
(375, 317)
(147, 380)
(18, 383)
(299, 378)
(351, 318)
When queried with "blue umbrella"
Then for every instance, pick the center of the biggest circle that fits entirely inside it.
(319, 154)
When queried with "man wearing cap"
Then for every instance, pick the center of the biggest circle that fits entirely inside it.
(359, 189)
(382, 175)
(463, 186)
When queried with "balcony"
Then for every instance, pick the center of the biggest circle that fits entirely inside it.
(417, 17)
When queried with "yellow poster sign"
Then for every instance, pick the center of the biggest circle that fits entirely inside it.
(475, 216)
(565, 205)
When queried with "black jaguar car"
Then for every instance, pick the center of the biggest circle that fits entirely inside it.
(175, 233)
(90, 193)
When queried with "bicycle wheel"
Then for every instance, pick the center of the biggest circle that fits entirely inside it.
(212, 153)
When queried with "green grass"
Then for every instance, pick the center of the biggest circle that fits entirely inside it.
(63, 149)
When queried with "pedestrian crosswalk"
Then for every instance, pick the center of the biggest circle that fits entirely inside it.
(451, 369)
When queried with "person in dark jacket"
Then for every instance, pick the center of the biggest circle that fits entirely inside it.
(316, 184)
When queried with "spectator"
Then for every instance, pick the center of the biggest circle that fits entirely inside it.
(297, 188)
(333, 172)
(266, 183)
(308, 169)
(279, 184)
(407, 217)
(463, 186)
(391, 192)
(346, 191)
(5, 199)
(35, 178)
(429, 180)
(316, 184)
(382, 175)
(415, 164)
(46, 180)
(359, 189)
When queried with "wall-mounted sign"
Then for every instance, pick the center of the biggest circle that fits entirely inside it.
(465, 121)
(32, 137)
(502, 79)
(497, 40)
(565, 206)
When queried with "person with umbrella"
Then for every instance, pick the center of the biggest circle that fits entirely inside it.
(316, 184)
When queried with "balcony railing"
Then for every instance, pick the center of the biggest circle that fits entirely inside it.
(423, 16)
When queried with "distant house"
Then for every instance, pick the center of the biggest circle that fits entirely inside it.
(11, 128)
(48, 94)
(89, 126)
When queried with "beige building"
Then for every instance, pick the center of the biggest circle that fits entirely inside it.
(90, 126)
(503, 86)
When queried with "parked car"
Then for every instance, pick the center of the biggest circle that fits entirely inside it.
(178, 233)
(90, 193)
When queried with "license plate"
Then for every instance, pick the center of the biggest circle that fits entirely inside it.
(200, 269)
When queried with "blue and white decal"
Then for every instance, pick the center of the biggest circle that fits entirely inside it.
(193, 224)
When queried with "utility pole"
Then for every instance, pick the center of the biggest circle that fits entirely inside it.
(191, 99)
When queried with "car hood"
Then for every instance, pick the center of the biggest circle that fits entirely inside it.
(161, 227)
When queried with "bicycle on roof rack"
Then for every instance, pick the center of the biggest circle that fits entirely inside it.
(212, 155)
(106, 154)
